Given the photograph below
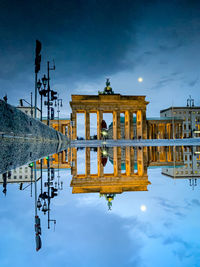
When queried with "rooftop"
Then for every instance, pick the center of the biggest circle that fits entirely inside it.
(185, 108)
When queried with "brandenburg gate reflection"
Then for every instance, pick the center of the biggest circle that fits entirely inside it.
(129, 171)
(133, 178)
(116, 182)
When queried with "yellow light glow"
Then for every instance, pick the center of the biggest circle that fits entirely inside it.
(143, 208)
(104, 152)
(140, 79)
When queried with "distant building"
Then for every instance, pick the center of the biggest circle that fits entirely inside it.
(23, 174)
(27, 109)
(190, 117)
(62, 125)
(190, 168)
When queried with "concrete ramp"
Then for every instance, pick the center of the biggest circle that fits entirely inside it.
(16, 124)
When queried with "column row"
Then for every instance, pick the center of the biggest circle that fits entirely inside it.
(128, 124)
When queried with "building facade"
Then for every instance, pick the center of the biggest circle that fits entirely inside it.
(190, 117)
(28, 110)
(190, 168)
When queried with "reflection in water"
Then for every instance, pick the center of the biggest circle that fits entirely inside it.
(134, 161)
(128, 172)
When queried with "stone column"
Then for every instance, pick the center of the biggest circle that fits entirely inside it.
(139, 124)
(170, 154)
(116, 125)
(74, 162)
(168, 130)
(149, 131)
(68, 130)
(99, 121)
(175, 130)
(181, 130)
(127, 125)
(87, 161)
(144, 125)
(140, 162)
(68, 155)
(131, 125)
(165, 131)
(117, 161)
(154, 131)
(158, 131)
(87, 125)
(132, 160)
(100, 166)
(74, 123)
(128, 161)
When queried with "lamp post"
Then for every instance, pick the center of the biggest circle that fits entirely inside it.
(42, 92)
(58, 103)
(48, 90)
(39, 84)
(37, 69)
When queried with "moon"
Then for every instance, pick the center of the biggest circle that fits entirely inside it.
(143, 208)
(140, 79)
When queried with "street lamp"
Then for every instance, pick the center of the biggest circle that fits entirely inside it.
(39, 204)
(58, 104)
(42, 92)
(44, 81)
(44, 207)
(39, 84)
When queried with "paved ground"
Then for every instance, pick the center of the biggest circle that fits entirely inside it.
(136, 143)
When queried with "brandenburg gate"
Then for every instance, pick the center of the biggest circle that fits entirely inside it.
(110, 103)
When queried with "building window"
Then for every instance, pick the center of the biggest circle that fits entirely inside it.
(185, 157)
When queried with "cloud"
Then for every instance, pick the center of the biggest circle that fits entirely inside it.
(171, 207)
(175, 239)
(196, 202)
(193, 82)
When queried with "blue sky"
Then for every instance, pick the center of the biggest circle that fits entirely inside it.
(87, 234)
(92, 40)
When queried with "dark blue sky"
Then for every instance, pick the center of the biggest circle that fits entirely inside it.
(91, 40)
